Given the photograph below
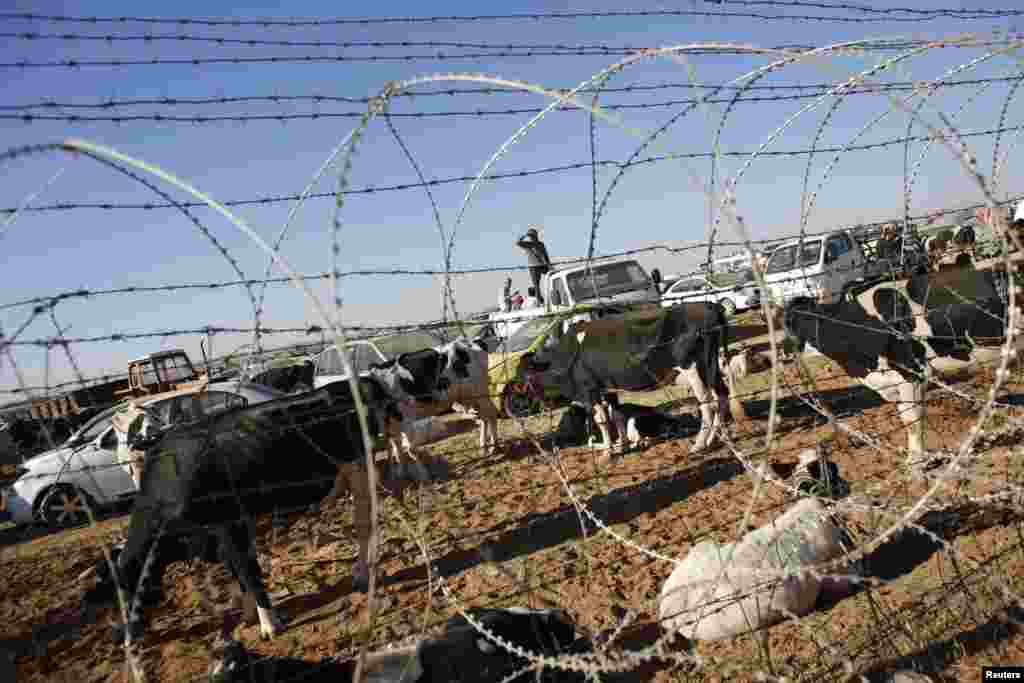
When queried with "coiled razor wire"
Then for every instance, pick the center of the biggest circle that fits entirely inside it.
(899, 521)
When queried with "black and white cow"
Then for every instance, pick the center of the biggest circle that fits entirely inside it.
(462, 654)
(893, 335)
(209, 479)
(469, 390)
(638, 351)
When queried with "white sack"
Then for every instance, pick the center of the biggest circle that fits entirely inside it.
(748, 595)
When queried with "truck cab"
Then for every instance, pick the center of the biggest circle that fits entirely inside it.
(158, 372)
(819, 268)
(622, 282)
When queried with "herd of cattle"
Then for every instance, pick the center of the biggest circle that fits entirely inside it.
(204, 483)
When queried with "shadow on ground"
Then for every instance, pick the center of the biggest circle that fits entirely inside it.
(538, 531)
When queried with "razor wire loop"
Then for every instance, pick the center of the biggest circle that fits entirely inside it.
(904, 521)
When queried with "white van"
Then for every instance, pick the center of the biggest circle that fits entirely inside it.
(819, 268)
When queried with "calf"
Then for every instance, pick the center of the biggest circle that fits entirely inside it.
(461, 654)
(892, 336)
(212, 477)
(640, 351)
(644, 423)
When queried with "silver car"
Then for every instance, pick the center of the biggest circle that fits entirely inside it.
(54, 487)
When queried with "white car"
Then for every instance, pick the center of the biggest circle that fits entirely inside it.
(735, 292)
(53, 487)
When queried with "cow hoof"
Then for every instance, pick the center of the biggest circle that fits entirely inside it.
(270, 623)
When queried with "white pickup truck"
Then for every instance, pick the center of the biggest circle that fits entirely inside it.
(620, 282)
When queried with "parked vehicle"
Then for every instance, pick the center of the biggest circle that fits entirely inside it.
(819, 268)
(733, 291)
(328, 366)
(53, 487)
(618, 282)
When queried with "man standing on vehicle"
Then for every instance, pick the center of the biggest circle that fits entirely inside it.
(537, 254)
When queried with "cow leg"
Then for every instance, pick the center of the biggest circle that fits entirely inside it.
(909, 398)
(708, 416)
(600, 412)
(620, 428)
(239, 555)
(353, 476)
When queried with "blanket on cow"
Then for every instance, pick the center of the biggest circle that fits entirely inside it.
(720, 591)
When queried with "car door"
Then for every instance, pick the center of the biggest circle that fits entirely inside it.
(834, 268)
(103, 477)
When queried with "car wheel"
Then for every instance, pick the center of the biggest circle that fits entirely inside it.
(729, 306)
(64, 506)
(516, 401)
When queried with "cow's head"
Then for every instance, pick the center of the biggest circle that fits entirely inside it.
(417, 376)
(459, 356)
(795, 319)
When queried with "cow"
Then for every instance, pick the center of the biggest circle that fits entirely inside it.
(211, 478)
(891, 336)
(468, 391)
(644, 423)
(642, 350)
(461, 654)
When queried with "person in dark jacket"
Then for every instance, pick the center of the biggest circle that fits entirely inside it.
(537, 254)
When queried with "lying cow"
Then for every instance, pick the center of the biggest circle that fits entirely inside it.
(469, 390)
(462, 654)
(639, 351)
(893, 335)
(212, 477)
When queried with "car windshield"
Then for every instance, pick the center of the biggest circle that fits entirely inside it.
(362, 355)
(785, 258)
(91, 429)
(522, 338)
(610, 278)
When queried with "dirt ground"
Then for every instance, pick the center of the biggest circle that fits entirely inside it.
(503, 532)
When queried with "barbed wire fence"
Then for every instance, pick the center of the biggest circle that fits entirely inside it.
(586, 516)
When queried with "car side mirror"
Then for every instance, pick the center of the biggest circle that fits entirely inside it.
(829, 258)
(556, 296)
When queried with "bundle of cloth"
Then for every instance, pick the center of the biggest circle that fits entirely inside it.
(723, 590)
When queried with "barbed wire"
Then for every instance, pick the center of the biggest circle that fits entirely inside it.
(875, 46)
(65, 206)
(451, 92)
(890, 14)
(29, 118)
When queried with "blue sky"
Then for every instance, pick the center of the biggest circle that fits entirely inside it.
(46, 253)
